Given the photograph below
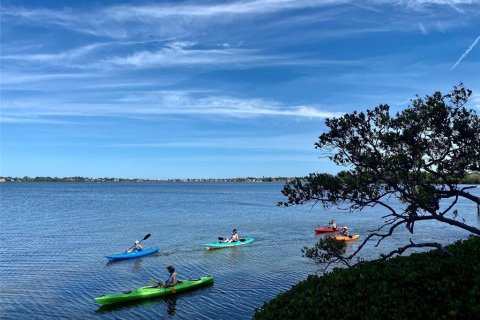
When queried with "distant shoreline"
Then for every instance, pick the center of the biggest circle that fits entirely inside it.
(84, 179)
(469, 178)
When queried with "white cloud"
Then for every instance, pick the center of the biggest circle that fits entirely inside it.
(179, 20)
(179, 53)
(158, 104)
(422, 28)
(474, 43)
(299, 142)
(9, 78)
(475, 98)
(55, 58)
(255, 7)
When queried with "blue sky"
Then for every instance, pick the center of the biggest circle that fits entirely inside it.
(212, 89)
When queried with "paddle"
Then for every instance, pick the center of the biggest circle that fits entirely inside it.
(156, 282)
(161, 284)
(144, 238)
(241, 240)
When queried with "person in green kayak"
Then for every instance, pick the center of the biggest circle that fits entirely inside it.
(136, 247)
(172, 278)
(234, 237)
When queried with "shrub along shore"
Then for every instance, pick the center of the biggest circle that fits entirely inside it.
(429, 285)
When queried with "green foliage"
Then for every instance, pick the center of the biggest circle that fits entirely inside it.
(326, 251)
(428, 285)
(471, 178)
(417, 157)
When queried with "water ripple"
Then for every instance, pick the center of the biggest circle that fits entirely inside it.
(55, 236)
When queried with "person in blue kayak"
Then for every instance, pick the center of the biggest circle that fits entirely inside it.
(234, 237)
(172, 278)
(136, 247)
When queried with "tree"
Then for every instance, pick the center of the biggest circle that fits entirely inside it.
(416, 156)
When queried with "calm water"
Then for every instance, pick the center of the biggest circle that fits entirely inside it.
(54, 237)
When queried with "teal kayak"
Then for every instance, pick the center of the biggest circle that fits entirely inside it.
(131, 255)
(153, 292)
(219, 244)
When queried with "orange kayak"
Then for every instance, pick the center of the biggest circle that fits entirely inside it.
(344, 238)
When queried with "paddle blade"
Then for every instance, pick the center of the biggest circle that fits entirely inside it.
(220, 238)
(147, 236)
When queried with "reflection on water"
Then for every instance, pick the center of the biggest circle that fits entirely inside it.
(231, 255)
(127, 305)
(171, 305)
(137, 265)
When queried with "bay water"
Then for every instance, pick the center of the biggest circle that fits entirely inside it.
(54, 237)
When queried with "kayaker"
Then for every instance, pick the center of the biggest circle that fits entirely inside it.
(172, 279)
(136, 247)
(333, 225)
(345, 232)
(234, 237)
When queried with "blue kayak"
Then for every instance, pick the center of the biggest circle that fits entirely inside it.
(131, 255)
(219, 244)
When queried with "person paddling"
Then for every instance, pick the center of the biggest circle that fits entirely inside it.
(345, 232)
(172, 278)
(234, 237)
(136, 247)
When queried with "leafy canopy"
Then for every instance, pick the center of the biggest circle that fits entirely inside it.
(416, 156)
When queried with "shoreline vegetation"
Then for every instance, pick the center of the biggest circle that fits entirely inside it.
(428, 285)
(469, 178)
(86, 179)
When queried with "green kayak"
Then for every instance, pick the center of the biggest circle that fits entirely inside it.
(152, 292)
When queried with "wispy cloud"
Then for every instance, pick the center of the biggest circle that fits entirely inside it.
(9, 78)
(168, 54)
(255, 7)
(26, 120)
(476, 101)
(180, 20)
(474, 43)
(55, 58)
(158, 104)
(122, 20)
(450, 3)
(183, 53)
(278, 141)
(422, 28)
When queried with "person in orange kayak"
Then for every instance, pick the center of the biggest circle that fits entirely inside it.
(234, 237)
(136, 247)
(345, 232)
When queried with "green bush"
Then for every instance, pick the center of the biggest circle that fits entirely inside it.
(428, 285)
(471, 178)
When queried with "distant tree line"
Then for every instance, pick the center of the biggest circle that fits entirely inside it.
(86, 179)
